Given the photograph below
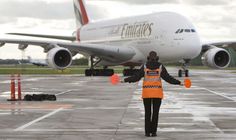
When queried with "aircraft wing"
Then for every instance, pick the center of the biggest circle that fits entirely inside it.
(68, 38)
(106, 52)
(221, 44)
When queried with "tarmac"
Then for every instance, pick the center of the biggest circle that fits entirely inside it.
(91, 108)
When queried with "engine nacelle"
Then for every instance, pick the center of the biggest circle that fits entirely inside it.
(216, 58)
(59, 58)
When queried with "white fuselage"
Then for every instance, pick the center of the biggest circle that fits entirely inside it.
(171, 35)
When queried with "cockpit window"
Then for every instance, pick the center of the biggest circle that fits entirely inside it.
(181, 31)
(177, 31)
(192, 30)
(187, 30)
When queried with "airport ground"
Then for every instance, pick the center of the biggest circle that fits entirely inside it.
(90, 108)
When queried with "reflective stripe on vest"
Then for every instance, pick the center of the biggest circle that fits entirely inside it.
(156, 73)
(152, 85)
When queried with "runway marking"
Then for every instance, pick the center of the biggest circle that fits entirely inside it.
(7, 113)
(127, 130)
(182, 124)
(101, 108)
(38, 119)
(217, 128)
(33, 105)
(218, 94)
(63, 92)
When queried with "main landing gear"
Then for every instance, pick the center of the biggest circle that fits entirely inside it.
(184, 69)
(98, 72)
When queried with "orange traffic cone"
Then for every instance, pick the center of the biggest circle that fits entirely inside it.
(13, 96)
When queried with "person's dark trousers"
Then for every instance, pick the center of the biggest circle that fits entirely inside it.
(152, 107)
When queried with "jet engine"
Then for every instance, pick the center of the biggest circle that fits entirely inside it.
(59, 58)
(216, 58)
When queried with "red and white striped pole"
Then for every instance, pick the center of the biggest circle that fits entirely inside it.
(12, 87)
(19, 86)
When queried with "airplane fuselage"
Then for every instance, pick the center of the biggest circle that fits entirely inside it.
(171, 35)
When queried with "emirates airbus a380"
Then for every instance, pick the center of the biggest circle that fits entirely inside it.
(127, 41)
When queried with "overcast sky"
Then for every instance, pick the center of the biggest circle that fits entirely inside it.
(214, 19)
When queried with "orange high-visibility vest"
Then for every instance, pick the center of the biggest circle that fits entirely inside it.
(152, 85)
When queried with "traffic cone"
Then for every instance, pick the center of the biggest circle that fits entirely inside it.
(19, 86)
(13, 96)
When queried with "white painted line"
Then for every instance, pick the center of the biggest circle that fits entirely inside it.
(38, 119)
(182, 124)
(5, 113)
(127, 130)
(217, 128)
(63, 92)
(219, 94)
(5, 130)
(101, 108)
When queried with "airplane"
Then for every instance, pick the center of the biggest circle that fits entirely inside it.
(127, 41)
(38, 62)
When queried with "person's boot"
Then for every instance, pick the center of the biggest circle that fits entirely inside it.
(147, 135)
(154, 134)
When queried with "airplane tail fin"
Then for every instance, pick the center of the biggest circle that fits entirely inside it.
(81, 12)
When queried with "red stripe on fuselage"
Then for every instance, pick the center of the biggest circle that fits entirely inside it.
(85, 19)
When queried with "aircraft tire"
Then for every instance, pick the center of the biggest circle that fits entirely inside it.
(130, 72)
(99, 72)
(107, 72)
(180, 73)
(88, 72)
(186, 73)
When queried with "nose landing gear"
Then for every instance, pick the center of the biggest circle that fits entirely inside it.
(184, 69)
(185, 72)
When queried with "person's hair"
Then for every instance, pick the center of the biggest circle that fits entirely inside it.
(153, 56)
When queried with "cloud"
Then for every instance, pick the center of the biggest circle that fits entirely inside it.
(35, 9)
(12, 10)
(31, 13)
(4, 20)
(192, 2)
(214, 19)
(208, 2)
(144, 1)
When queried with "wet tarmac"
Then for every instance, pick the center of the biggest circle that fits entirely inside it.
(90, 108)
